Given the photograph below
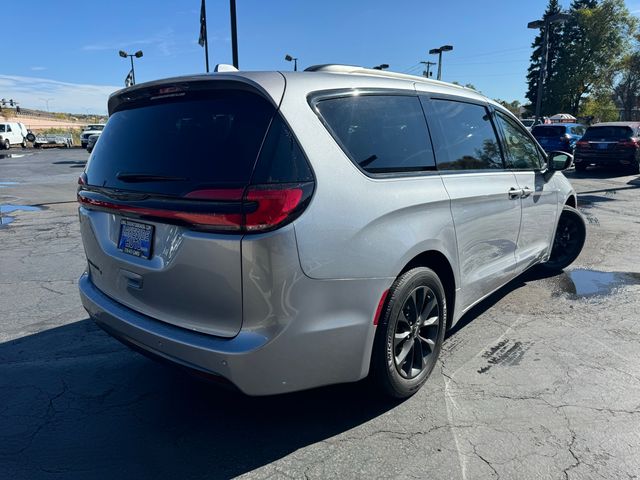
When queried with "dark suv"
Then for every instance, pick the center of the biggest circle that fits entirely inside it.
(609, 144)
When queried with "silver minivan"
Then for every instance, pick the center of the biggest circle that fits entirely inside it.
(287, 230)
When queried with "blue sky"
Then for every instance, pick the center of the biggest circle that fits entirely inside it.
(66, 51)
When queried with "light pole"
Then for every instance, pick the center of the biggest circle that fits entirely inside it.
(289, 58)
(382, 66)
(544, 24)
(138, 54)
(443, 48)
(46, 100)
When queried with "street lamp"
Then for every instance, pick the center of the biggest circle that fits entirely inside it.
(289, 58)
(443, 48)
(540, 24)
(138, 54)
(382, 66)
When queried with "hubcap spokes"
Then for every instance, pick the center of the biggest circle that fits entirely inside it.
(416, 332)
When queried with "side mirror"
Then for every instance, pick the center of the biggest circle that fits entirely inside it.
(557, 161)
(31, 137)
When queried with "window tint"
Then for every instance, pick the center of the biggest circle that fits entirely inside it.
(540, 131)
(281, 159)
(207, 139)
(9, 128)
(380, 133)
(1, 128)
(466, 138)
(522, 152)
(608, 132)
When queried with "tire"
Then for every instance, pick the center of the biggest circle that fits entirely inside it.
(634, 169)
(397, 335)
(569, 239)
(24, 143)
(7, 145)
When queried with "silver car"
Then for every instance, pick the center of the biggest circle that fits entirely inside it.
(283, 231)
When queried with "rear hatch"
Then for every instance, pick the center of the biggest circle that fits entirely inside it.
(171, 189)
(551, 137)
(607, 141)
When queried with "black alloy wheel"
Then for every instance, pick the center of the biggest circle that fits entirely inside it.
(569, 239)
(410, 333)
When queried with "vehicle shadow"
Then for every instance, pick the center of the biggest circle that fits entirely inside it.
(598, 173)
(531, 275)
(74, 403)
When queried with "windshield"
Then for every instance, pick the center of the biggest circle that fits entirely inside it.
(548, 131)
(203, 141)
(608, 132)
(94, 127)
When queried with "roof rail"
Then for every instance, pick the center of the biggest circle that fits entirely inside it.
(338, 68)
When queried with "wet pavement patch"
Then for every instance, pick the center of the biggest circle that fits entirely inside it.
(505, 353)
(590, 283)
(5, 219)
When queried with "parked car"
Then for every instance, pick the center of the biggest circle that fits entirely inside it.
(92, 129)
(558, 136)
(92, 142)
(53, 140)
(610, 144)
(13, 133)
(286, 239)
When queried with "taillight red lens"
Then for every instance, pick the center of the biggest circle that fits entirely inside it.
(582, 143)
(258, 208)
(274, 205)
(630, 142)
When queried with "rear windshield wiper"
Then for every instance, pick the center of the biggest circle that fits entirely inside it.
(147, 177)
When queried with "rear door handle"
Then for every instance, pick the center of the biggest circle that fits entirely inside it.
(515, 193)
(526, 191)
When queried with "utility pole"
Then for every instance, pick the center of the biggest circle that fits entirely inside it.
(427, 72)
(545, 24)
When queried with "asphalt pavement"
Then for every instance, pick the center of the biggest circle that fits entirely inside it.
(541, 380)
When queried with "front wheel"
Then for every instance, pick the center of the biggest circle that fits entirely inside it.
(569, 239)
(7, 144)
(410, 333)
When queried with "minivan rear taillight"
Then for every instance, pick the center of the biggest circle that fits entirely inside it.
(258, 208)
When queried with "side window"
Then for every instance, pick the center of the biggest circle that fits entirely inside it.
(466, 139)
(522, 153)
(1, 128)
(380, 133)
(9, 128)
(578, 130)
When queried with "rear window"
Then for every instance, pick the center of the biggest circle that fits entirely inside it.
(210, 139)
(548, 131)
(380, 133)
(466, 138)
(608, 133)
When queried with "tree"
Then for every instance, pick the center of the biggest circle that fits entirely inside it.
(593, 42)
(600, 107)
(553, 50)
(514, 107)
(627, 90)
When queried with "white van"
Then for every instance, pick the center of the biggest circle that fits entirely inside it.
(13, 133)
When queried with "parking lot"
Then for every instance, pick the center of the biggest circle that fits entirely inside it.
(541, 380)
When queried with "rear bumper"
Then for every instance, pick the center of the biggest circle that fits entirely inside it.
(331, 346)
(606, 159)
